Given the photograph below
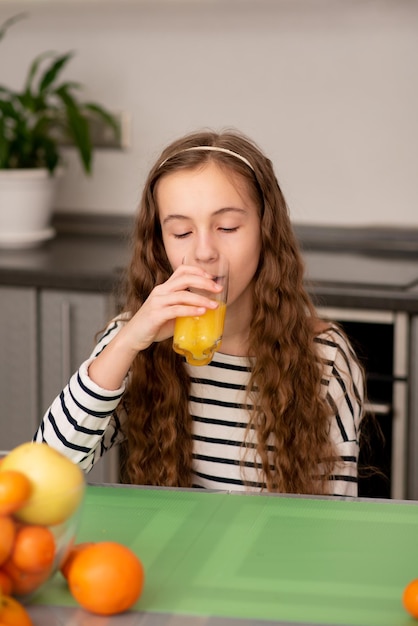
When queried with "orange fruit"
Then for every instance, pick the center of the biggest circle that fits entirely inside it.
(15, 489)
(7, 537)
(12, 613)
(410, 598)
(70, 556)
(33, 549)
(6, 585)
(24, 583)
(106, 578)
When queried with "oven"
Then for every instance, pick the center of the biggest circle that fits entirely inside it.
(380, 339)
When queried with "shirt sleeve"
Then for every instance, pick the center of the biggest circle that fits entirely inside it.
(82, 422)
(343, 386)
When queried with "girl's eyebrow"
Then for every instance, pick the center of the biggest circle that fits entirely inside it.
(178, 216)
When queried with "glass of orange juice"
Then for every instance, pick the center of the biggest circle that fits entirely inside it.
(198, 337)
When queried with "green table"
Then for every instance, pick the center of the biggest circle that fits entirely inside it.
(218, 558)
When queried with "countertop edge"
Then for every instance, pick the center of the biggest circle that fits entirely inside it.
(91, 252)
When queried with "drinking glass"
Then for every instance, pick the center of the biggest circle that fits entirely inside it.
(197, 338)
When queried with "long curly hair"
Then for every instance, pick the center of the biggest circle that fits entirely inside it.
(286, 376)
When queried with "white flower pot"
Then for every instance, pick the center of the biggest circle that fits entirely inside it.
(27, 200)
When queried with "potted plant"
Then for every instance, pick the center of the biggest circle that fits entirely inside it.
(35, 122)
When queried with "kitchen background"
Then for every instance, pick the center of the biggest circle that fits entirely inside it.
(328, 88)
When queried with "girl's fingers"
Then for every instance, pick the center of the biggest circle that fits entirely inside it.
(175, 298)
(188, 298)
(189, 277)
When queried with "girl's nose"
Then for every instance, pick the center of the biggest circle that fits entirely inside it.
(205, 251)
(206, 256)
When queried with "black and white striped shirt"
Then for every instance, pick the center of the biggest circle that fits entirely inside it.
(82, 422)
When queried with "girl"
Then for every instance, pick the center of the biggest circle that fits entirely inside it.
(279, 407)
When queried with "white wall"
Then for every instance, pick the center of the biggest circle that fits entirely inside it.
(328, 88)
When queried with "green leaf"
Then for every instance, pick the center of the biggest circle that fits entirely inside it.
(52, 72)
(42, 125)
(48, 152)
(4, 146)
(28, 101)
(34, 68)
(9, 22)
(7, 110)
(77, 127)
(69, 86)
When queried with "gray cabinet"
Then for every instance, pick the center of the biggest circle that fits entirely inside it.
(44, 337)
(19, 389)
(69, 321)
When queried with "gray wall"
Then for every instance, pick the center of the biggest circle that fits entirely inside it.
(328, 88)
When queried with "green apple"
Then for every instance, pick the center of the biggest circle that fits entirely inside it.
(57, 483)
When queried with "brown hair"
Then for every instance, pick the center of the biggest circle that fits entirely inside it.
(287, 371)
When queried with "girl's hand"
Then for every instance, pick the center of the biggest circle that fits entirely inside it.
(153, 322)
(155, 319)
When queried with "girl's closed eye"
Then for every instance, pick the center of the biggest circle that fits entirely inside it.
(224, 229)
(181, 235)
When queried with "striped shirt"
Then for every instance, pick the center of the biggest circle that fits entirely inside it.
(82, 421)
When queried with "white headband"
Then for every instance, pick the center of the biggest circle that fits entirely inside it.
(213, 149)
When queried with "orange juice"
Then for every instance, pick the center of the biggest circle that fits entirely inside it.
(198, 338)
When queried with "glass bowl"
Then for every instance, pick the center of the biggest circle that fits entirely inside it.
(37, 534)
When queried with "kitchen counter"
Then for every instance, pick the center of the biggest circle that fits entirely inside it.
(358, 268)
(357, 279)
(69, 261)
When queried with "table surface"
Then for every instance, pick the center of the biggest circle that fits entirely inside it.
(229, 559)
